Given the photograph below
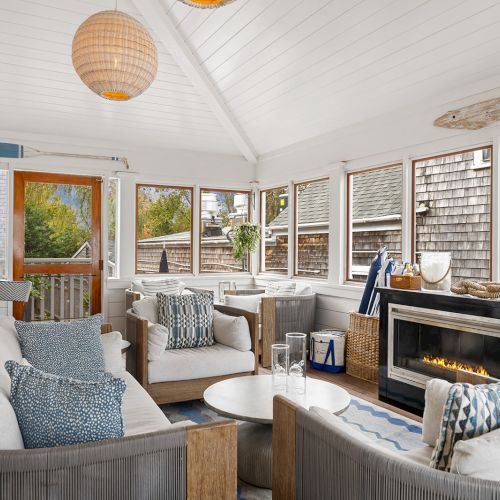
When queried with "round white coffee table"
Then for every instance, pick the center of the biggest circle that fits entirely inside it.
(251, 399)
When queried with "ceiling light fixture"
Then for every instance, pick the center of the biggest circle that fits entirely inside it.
(114, 55)
(206, 4)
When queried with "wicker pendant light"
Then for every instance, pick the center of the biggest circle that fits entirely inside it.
(206, 4)
(114, 55)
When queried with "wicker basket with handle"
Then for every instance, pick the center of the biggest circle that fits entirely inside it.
(362, 341)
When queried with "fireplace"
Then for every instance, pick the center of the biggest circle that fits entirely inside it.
(429, 335)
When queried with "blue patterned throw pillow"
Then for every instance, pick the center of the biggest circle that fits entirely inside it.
(70, 349)
(187, 318)
(56, 411)
(470, 411)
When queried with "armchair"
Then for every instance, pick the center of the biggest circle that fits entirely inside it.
(170, 391)
(279, 316)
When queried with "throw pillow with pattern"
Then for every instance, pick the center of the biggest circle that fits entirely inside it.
(470, 411)
(71, 349)
(281, 289)
(187, 318)
(168, 286)
(57, 411)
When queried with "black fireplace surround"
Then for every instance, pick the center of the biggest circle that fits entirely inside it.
(419, 340)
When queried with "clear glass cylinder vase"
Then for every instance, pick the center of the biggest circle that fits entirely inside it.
(297, 362)
(280, 366)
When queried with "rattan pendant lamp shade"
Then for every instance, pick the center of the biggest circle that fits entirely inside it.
(114, 55)
(206, 4)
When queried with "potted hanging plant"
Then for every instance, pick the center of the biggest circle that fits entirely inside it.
(245, 241)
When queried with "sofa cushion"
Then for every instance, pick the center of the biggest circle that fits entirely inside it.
(188, 319)
(157, 341)
(436, 394)
(146, 308)
(281, 288)
(112, 351)
(246, 302)
(470, 411)
(71, 349)
(56, 411)
(140, 413)
(168, 286)
(200, 362)
(478, 457)
(232, 331)
(10, 433)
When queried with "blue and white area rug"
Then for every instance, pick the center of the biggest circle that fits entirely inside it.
(389, 429)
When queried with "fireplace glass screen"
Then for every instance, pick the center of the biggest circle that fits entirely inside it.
(446, 353)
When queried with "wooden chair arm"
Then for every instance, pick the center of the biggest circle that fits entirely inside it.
(284, 448)
(130, 298)
(137, 357)
(106, 328)
(249, 291)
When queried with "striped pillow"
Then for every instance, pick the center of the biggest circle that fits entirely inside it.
(168, 286)
(187, 318)
(281, 289)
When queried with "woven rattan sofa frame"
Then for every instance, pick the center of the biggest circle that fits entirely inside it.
(183, 390)
(197, 461)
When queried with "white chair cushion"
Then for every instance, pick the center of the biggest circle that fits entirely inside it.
(10, 434)
(281, 288)
(478, 457)
(140, 413)
(246, 302)
(112, 349)
(157, 341)
(303, 289)
(436, 394)
(199, 362)
(232, 331)
(146, 308)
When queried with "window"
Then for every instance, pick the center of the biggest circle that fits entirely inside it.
(113, 226)
(4, 217)
(221, 211)
(312, 218)
(452, 211)
(164, 229)
(374, 207)
(274, 221)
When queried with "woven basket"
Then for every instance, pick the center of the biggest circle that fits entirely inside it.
(362, 340)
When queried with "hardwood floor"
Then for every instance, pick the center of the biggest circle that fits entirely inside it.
(356, 387)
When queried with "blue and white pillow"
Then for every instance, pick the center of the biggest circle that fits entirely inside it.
(71, 349)
(470, 411)
(56, 411)
(188, 319)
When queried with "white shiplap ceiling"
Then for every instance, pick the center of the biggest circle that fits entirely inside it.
(278, 71)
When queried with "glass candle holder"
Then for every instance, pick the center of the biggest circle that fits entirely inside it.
(223, 287)
(297, 362)
(280, 366)
(435, 269)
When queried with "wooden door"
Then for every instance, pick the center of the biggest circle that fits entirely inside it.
(57, 243)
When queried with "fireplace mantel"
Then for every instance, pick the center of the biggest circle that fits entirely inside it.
(415, 323)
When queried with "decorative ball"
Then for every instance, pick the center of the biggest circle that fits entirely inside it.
(114, 55)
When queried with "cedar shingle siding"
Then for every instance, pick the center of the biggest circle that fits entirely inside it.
(457, 220)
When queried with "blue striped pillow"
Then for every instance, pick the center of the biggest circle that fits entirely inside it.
(187, 318)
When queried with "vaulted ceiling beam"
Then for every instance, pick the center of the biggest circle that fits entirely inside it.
(158, 19)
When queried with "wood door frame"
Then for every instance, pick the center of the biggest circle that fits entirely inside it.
(96, 266)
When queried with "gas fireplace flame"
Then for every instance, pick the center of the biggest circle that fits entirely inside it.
(455, 365)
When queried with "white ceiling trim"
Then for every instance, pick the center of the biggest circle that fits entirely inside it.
(158, 19)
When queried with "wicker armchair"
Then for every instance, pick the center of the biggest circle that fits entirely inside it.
(279, 316)
(312, 459)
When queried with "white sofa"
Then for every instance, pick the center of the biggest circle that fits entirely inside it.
(154, 459)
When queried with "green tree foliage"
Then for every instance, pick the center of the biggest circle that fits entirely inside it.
(163, 211)
(273, 204)
(57, 219)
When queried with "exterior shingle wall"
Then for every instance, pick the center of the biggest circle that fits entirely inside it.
(457, 219)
